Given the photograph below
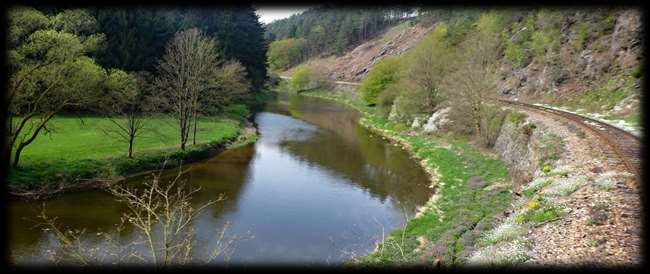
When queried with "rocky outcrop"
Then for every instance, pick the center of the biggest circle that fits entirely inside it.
(437, 121)
(355, 65)
(609, 50)
(522, 145)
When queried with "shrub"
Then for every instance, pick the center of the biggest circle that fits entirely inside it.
(380, 76)
(301, 78)
(505, 253)
(285, 53)
(582, 34)
(543, 211)
(609, 22)
(566, 186)
(506, 231)
(517, 117)
(491, 123)
(551, 147)
(535, 186)
(515, 54)
(541, 42)
(237, 110)
(386, 99)
(636, 72)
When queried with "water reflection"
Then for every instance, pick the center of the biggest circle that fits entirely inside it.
(313, 189)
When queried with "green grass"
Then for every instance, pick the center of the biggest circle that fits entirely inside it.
(543, 211)
(632, 119)
(78, 148)
(603, 98)
(459, 206)
(517, 117)
(535, 186)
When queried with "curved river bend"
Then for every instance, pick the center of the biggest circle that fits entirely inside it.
(315, 188)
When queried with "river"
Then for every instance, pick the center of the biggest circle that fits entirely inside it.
(316, 188)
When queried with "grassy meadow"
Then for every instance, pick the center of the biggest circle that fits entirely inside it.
(81, 148)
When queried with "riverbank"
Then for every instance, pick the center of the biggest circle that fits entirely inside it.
(472, 192)
(49, 174)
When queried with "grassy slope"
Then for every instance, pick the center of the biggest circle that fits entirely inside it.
(452, 161)
(604, 98)
(79, 149)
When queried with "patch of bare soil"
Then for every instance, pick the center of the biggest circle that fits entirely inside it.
(355, 64)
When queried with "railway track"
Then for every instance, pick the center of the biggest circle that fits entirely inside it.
(625, 147)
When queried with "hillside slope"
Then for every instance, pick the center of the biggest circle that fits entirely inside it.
(572, 202)
(353, 66)
(586, 61)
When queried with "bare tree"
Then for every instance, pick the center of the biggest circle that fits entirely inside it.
(185, 70)
(472, 86)
(228, 83)
(162, 214)
(126, 106)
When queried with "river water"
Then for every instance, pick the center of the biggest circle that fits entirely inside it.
(316, 188)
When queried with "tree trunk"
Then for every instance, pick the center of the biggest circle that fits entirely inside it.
(194, 131)
(131, 147)
(17, 155)
(22, 145)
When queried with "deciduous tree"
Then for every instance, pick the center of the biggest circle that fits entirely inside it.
(49, 71)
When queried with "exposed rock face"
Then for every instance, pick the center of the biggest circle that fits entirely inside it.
(355, 65)
(606, 54)
(437, 121)
(416, 123)
(394, 115)
(519, 146)
(345, 89)
(625, 41)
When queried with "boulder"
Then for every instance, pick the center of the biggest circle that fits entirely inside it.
(438, 120)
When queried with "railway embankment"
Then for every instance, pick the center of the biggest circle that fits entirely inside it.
(576, 202)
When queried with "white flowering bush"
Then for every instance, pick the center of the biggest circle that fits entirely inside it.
(504, 253)
(534, 186)
(566, 186)
(607, 180)
(507, 231)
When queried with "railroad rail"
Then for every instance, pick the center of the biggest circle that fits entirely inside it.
(335, 82)
(624, 145)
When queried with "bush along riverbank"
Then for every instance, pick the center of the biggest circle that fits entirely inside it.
(472, 191)
(50, 173)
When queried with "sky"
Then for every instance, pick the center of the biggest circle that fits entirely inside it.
(269, 14)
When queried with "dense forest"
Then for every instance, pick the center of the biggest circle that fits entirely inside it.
(326, 30)
(237, 30)
(129, 64)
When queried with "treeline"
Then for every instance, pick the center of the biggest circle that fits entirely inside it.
(61, 61)
(326, 31)
(136, 37)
